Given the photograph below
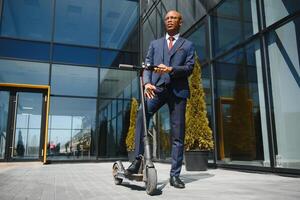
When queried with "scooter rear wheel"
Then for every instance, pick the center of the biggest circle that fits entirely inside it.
(116, 169)
(151, 180)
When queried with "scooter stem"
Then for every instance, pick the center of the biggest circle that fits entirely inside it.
(147, 151)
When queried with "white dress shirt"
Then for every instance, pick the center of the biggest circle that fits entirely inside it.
(175, 38)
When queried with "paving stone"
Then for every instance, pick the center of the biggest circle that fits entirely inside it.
(93, 181)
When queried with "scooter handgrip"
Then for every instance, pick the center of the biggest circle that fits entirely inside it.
(150, 67)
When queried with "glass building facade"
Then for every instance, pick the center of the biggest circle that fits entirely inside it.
(75, 47)
(249, 51)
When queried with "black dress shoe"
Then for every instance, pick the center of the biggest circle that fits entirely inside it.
(134, 167)
(176, 182)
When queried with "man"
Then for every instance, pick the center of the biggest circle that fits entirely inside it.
(168, 83)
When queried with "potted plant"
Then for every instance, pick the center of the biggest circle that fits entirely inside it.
(131, 130)
(198, 134)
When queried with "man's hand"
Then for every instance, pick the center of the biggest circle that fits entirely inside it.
(161, 69)
(149, 90)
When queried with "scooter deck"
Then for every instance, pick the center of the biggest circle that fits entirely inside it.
(136, 177)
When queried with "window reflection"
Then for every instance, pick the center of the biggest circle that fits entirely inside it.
(199, 39)
(27, 19)
(284, 72)
(110, 58)
(77, 22)
(231, 28)
(4, 103)
(240, 105)
(114, 82)
(278, 9)
(74, 80)
(164, 133)
(12, 71)
(119, 20)
(113, 127)
(72, 128)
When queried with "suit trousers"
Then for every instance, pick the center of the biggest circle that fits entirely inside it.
(177, 107)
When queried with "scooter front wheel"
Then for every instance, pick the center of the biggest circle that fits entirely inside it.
(151, 180)
(116, 169)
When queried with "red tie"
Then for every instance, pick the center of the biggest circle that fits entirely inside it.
(171, 38)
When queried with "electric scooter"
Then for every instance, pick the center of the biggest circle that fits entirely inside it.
(147, 171)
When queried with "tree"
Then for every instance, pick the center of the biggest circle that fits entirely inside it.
(131, 130)
(198, 135)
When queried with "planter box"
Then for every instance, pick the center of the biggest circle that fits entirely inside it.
(196, 160)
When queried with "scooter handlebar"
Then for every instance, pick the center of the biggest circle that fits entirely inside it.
(135, 67)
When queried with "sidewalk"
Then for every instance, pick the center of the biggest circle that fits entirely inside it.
(93, 181)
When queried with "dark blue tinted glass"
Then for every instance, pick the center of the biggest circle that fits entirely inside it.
(24, 49)
(239, 103)
(114, 58)
(199, 40)
(238, 68)
(114, 82)
(233, 22)
(74, 80)
(119, 20)
(30, 19)
(12, 71)
(77, 22)
(75, 55)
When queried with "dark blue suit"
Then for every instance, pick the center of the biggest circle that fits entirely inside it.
(172, 88)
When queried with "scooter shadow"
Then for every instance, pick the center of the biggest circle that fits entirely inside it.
(140, 188)
(186, 178)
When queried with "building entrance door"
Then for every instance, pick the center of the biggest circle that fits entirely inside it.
(23, 122)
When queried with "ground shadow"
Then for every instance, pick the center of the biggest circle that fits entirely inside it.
(132, 186)
(189, 178)
(186, 178)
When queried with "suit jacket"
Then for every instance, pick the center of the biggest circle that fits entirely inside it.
(180, 57)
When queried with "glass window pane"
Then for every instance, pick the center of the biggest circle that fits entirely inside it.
(113, 82)
(191, 11)
(74, 80)
(114, 58)
(77, 22)
(164, 130)
(59, 142)
(27, 143)
(60, 121)
(24, 49)
(241, 118)
(4, 103)
(278, 9)
(28, 19)
(119, 19)
(230, 28)
(135, 88)
(199, 39)
(111, 140)
(149, 32)
(284, 48)
(72, 129)
(75, 55)
(12, 71)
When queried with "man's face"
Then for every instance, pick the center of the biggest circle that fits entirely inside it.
(173, 22)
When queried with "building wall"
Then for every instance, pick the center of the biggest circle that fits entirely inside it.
(249, 51)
